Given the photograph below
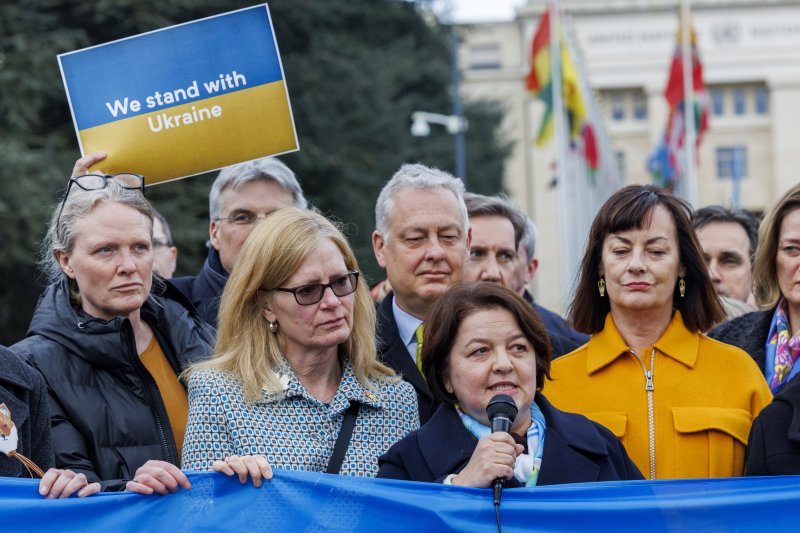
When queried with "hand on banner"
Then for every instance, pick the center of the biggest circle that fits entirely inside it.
(158, 476)
(492, 459)
(255, 466)
(82, 165)
(58, 483)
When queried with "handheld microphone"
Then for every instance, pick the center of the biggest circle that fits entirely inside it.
(501, 412)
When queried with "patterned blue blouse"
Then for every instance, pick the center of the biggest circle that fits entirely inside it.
(294, 430)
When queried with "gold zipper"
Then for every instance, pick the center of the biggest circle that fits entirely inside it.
(649, 387)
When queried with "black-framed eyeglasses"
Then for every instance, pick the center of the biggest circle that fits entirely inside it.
(93, 182)
(313, 292)
(244, 219)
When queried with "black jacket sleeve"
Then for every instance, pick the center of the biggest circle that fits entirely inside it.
(72, 452)
(619, 465)
(41, 445)
(392, 465)
(755, 459)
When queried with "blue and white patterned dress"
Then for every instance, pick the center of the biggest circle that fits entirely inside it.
(294, 430)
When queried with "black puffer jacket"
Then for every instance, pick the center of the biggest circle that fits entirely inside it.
(748, 332)
(107, 415)
(774, 445)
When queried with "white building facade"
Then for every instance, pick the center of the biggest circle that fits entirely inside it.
(751, 57)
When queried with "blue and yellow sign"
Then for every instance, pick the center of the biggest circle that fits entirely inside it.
(183, 100)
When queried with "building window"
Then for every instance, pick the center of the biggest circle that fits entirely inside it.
(762, 100)
(731, 162)
(639, 107)
(625, 106)
(739, 101)
(718, 102)
(617, 107)
(484, 56)
(619, 158)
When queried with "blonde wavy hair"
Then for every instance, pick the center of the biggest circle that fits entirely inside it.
(270, 255)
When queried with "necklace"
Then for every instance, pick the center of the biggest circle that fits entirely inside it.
(329, 398)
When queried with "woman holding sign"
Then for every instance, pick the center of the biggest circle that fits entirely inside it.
(110, 339)
(295, 382)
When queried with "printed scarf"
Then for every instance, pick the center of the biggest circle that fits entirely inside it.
(782, 350)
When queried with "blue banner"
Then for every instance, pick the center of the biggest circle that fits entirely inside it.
(304, 501)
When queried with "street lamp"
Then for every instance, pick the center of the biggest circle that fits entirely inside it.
(422, 121)
(456, 123)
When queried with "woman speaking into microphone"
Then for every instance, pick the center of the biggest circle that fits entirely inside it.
(483, 340)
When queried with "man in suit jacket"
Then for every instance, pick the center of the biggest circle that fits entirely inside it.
(421, 239)
(525, 270)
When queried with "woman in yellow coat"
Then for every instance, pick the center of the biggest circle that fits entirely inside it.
(681, 403)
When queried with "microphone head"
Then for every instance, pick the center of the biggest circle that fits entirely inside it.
(501, 405)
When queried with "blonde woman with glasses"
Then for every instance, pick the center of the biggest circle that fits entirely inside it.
(295, 382)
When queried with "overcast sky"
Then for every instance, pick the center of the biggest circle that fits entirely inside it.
(482, 10)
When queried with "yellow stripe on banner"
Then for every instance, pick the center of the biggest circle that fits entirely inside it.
(196, 137)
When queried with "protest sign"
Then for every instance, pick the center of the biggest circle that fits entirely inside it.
(182, 100)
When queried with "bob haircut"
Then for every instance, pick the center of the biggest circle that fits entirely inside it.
(632, 208)
(461, 301)
(270, 255)
(765, 268)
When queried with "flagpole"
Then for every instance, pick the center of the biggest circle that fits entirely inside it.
(560, 134)
(584, 190)
(690, 177)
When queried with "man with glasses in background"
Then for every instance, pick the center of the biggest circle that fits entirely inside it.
(241, 196)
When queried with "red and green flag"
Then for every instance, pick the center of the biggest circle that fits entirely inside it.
(540, 83)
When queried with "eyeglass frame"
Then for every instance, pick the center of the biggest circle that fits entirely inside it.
(324, 286)
(106, 178)
(253, 219)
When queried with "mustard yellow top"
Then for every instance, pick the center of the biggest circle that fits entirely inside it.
(705, 396)
(172, 392)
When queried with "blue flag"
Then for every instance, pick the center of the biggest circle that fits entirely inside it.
(304, 501)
